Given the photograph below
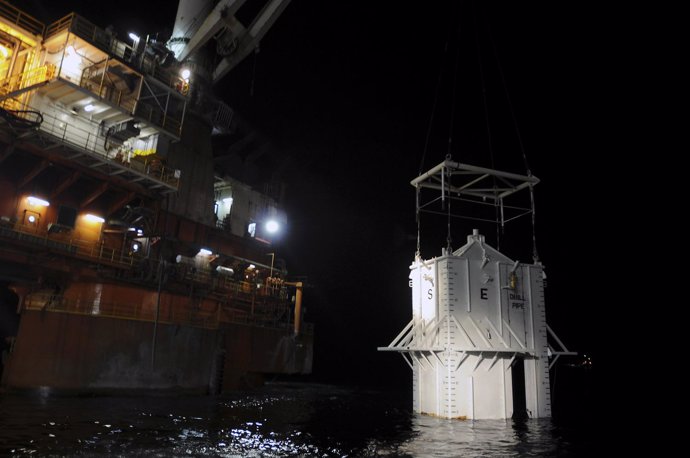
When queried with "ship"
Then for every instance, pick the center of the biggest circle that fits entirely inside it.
(129, 261)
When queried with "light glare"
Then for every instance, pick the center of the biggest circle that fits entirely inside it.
(93, 218)
(36, 201)
(272, 227)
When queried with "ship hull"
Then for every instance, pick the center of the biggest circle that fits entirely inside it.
(80, 353)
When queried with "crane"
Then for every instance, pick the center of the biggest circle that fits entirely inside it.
(198, 22)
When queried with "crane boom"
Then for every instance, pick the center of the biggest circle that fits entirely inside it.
(197, 23)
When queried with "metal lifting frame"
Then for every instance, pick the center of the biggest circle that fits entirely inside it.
(471, 187)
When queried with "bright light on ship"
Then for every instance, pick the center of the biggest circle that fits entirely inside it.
(272, 227)
(134, 36)
(186, 74)
(71, 62)
(205, 252)
(36, 201)
(93, 218)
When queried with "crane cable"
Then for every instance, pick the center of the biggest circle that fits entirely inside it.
(488, 124)
(535, 253)
(449, 239)
(428, 136)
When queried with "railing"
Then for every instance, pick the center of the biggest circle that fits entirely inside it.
(106, 41)
(94, 143)
(181, 314)
(27, 79)
(132, 58)
(105, 88)
(239, 302)
(19, 18)
(90, 32)
(59, 25)
(231, 289)
(184, 314)
(153, 115)
(83, 249)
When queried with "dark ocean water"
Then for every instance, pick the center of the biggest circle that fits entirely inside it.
(281, 419)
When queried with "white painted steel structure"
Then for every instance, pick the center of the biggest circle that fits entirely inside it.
(199, 21)
(474, 312)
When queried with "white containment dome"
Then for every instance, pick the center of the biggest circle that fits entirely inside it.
(474, 313)
(478, 342)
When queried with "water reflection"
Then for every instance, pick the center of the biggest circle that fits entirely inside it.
(485, 438)
(280, 420)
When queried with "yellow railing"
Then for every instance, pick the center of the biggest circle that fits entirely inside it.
(153, 167)
(19, 18)
(27, 79)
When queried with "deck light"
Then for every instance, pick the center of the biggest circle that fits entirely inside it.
(272, 227)
(36, 201)
(93, 218)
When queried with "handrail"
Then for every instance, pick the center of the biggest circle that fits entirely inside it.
(124, 310)
(81, 139)
(78, 248)
(106, 89)
(106, 41)
(59, 25)
(19, 18)
(26, 79)
(97, 251)
(121, 52)
(238, 302)
(170, 314)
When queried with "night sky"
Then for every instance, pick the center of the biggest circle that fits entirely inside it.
(343, 92)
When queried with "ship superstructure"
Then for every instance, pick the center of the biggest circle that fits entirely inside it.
(131, 262)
